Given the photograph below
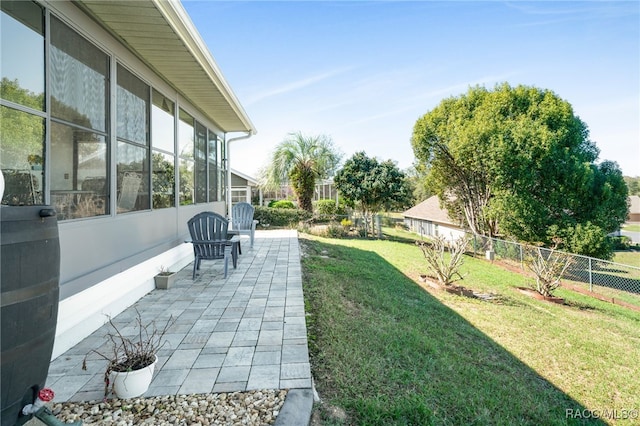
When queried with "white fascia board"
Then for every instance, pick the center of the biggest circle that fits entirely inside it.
(180, 21)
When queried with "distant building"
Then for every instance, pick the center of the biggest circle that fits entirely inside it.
(244, 188)
(634, 209)
(429, 219)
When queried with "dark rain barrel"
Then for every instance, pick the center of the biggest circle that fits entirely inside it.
(29, 276)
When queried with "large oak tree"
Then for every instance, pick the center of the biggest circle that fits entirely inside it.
(517, 161)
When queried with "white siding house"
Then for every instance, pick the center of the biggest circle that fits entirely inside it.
(429, 219)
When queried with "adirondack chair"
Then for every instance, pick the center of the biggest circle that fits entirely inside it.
(209, 238)
(242, 221)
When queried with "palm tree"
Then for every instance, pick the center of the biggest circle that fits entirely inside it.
(301, 161)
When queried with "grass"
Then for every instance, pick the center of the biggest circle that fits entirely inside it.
(628, 257)
(624, 257)
(635, 227)
(386, 351)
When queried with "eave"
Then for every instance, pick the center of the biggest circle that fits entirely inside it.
(162, 35)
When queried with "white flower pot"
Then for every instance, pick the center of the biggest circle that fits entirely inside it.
(130, 384)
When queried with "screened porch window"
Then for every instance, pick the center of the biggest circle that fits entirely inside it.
(22, 117)
(133, 110)
(79, 130)
(186, 158)
(162, 157)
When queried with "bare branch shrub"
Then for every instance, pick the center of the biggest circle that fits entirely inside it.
(548, 266)
(445, 268)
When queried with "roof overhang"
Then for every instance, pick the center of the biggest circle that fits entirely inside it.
(163, 36)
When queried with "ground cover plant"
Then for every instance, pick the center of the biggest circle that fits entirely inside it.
(386, 351)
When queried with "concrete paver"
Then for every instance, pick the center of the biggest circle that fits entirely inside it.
(245, 332)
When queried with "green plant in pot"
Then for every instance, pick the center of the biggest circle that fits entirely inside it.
(131, 359)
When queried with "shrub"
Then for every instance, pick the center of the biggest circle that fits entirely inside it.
(548, 267)
(269, 216)
(282, 204)
(390, 221)
(335, 231)
(621, 243)
(362, 232)
(446, 270)
(585, 239)
(326, 207)
(304, 228)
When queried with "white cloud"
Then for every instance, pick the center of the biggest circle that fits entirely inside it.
(295, 85)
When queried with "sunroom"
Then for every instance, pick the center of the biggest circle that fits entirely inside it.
(116, 114)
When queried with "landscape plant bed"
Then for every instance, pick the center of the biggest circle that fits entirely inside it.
(532, 293)
(573, 287)
(453, 289)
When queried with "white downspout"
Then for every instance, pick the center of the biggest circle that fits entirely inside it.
(228, 151)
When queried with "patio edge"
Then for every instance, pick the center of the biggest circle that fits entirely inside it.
(296, 410)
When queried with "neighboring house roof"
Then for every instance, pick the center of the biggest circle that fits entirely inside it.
(162, 35)
(430, 210)
(250, 180)
(634, 201)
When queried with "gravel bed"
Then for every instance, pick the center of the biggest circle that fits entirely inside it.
(237, 408)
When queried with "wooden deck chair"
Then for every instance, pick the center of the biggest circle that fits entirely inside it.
(209, 238)
(242, 221)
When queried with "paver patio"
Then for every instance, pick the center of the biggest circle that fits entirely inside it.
(246, 332)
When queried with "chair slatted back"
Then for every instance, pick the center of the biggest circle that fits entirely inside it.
(209, 235)
(242, 216)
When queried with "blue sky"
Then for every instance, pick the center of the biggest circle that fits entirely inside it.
(363, 72)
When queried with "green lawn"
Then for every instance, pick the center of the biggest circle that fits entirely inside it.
(631, 227)
(628, 257)
(387, 351)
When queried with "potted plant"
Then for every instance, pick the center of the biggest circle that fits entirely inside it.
(131, 360)
(165, 278)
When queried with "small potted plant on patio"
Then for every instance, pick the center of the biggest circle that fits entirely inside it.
(165, 278)
(131, 359)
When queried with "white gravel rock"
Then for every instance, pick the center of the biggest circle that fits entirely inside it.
(237, 408)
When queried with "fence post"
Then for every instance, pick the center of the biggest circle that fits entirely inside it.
(590, 276)
(521, 257)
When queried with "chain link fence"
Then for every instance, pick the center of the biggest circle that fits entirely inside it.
(585, 271)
